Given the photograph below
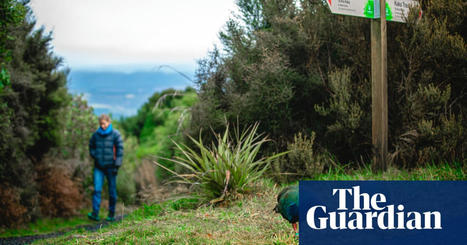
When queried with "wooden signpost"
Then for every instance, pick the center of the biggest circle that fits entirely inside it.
(379, 90)
(396, 10)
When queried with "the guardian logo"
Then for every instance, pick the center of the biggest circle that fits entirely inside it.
(369, 212)
(382, 212)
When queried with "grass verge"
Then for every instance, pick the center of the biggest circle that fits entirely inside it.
(47, 225)
(248, 219)
(51, 225)
(447, 171)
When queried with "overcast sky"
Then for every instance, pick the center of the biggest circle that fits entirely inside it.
(133, 33)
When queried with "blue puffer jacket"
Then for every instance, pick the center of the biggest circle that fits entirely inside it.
(106, 148)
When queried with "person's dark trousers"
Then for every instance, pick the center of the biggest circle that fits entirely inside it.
(111, 176)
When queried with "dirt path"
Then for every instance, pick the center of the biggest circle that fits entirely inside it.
(30, 239)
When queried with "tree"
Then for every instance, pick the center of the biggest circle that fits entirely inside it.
(295, 67)
(11, 14)
(30, 102)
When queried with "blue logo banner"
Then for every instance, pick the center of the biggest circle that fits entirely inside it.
(383, 212)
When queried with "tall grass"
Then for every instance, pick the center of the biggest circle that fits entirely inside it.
(226, 165)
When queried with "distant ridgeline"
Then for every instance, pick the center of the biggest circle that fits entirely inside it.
(119, 93)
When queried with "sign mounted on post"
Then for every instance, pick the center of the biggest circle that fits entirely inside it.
(399, 9)
(360, 8)
(396, 10)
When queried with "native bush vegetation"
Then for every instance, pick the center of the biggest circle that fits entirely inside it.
(303, 160)
(32, 93)
(229, 164)
(300, 71)
(62, 178)
(12, 13)
(150, 133)
(295, 67)
(71, 156)
(43, 129)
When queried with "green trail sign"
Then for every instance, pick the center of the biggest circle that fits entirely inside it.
(400, 9)
(396, 10)
(360, 8)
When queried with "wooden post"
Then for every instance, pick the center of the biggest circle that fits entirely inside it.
(379, 93)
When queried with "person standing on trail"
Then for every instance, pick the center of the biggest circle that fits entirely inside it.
(106, 148)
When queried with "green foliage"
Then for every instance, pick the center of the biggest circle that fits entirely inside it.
(295, 67)
(439, 171)
(126, 187)
(157, 209)
(77, 123)
(12, 13)
(162, 118)
(246, 221)
(303, 160)
(229, 164)
(430, 88)
(32, 96)
(243, 221)
(147, 134)
(47, 225)
(30, 109)
(346, 106)
(184, 203)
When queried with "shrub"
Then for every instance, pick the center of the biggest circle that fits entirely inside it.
(59, 195)
(346, 106)
(77, 124)
(302, 160)
(149, 132)
(12, 211)
(126, 187)
(32, 93)
(283, 58)
(228, 165)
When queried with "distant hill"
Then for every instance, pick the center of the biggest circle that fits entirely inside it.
(122, 93)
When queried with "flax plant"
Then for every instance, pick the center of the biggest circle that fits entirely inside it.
(227, 165)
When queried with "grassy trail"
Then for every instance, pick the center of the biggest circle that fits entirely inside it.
(248, 220)
(83, 225)
(244, 219)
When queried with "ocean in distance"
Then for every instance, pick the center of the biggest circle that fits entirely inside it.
(119, 93)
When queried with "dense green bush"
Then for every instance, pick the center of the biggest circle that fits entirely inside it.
(303, 160)
(32, 94)
(12, 14)
(147, 134)
(162, 118)
(295, 67)
(77, 123)
(126, 187)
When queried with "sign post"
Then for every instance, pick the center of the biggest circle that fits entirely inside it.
(395, 10)
(379, 93)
